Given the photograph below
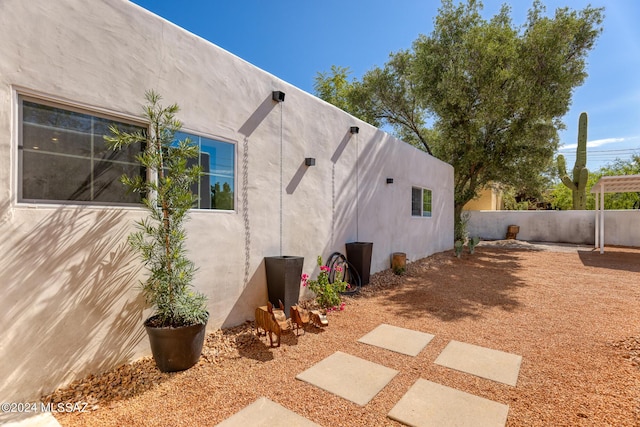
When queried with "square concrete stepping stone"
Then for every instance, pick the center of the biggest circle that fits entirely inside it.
(400, 340)
(264, 412)
(428, 404)
(480, 361)
(350, 377)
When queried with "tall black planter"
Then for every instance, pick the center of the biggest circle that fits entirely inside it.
(359, 255)
(176, 349)
(283, 279)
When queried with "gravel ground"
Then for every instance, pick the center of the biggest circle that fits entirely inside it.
(572, 314)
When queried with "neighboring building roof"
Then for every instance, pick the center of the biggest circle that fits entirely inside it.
(617, 184)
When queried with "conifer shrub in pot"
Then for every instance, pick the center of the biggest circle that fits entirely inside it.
(177, 328)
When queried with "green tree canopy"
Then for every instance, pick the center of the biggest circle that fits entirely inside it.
(334, 87)
(561, 195)
(486, 96)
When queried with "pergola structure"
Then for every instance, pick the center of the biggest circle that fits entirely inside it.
(610, 184)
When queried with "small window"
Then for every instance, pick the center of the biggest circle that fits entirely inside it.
(63, 157)
(420, 202)
(217, 184)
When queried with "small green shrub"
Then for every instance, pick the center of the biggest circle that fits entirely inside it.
(473, 242)
(458, 246)
(327, 294)
(399, 270)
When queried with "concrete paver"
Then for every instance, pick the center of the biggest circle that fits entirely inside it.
(400, 340)
(266, 413)
(349, 377)
(428, 404)
(480, 361)
(425, 404)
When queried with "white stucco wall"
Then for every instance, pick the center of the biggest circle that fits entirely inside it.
(69, 302)
(621, 227)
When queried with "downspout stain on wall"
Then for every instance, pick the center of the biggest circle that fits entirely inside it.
(245, 209)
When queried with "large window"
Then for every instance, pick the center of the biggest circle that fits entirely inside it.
(420, 202)
(217, 184)
(63, 156)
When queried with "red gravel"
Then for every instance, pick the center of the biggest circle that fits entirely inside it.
(573, 316)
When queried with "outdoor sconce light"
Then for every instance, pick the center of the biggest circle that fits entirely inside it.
(309, 161)
(389, 180)
(277, 96)
(354, 129)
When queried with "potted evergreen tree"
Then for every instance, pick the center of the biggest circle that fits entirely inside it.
(177, 328)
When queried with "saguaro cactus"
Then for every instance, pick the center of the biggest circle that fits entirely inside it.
(578, 184)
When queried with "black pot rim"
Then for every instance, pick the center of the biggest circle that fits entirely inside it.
(146, 323)
(284, 257)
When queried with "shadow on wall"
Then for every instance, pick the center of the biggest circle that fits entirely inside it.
(341, 146)
(255, 291)
(356, 194)
(67, 306)
(297, 177)
(346, 182)
(5, 213)
(257, 117)
(253, 295)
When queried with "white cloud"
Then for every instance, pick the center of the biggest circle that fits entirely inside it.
(594, 143)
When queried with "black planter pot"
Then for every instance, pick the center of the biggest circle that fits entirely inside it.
(176, 349)
(359, 255)
(283, 279)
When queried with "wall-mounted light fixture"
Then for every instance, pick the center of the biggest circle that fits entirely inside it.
(354, 129)
(309, 161)
(389, 180)
(277, 96)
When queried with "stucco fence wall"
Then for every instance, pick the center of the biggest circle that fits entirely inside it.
(622, 227)
(70, 303)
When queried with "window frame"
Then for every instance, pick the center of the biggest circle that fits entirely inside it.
(40, 99)
(192, 133)
(21, 94)
(423, 212)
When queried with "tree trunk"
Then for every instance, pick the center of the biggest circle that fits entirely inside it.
(457, 221)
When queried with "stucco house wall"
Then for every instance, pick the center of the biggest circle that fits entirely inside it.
(70, 305)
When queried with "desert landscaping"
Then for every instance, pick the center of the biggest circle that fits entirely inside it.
(570, 312)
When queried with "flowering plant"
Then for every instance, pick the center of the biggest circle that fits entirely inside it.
(327, 294)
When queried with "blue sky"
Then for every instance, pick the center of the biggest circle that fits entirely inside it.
(294, 39)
